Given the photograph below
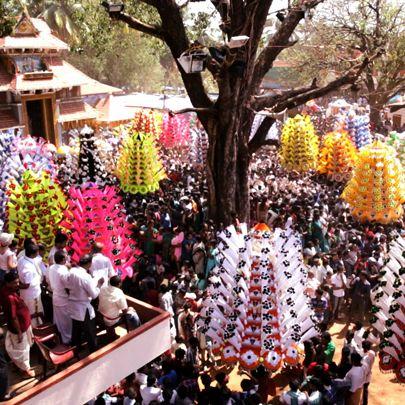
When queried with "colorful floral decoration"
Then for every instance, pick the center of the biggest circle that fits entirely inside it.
(397, 141)
(299, 144)
(35, 206)
(376, 191)
(147, 122)
(19, 153)
(256, 312)
(68, 164)
(91, 166)
(199, 145)
(175, 131)
(96, 214)
(323, 122)
(358, 127)
(337, 157)
(108, 145)
(37, 154)
(388, 309)
(105, 146)
(7, 171)
(139, 167)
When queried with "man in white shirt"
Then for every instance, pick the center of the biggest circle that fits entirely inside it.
(8, 260)
(150, 392)
(339, 284)
(30, 276)
(82, 289)
(27, 241)
(294, 395)
(60, 244)
(166, 299)
(359, 331)
(356, 378)
(318, 269)
(113, 305)
(101, 266)
(312, 285)
(368, 362)
(310, 250)
(58, 276)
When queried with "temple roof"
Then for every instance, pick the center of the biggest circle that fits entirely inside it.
(64, 76)
(32, 33)
(8, 119)
(75, 110)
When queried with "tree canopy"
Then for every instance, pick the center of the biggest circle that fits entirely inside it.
(238, 73)
(343, 33)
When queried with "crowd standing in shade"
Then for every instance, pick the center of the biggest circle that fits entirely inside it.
(178, 241)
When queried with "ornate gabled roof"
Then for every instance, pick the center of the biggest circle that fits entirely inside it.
(35, 34)
(32, 33)
(25, 27)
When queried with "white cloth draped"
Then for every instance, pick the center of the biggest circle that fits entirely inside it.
(19, 352)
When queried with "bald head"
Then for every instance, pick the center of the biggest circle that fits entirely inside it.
(98, 247)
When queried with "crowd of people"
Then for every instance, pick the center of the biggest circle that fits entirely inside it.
(178, 241)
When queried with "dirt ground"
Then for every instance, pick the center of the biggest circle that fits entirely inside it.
(383, 390)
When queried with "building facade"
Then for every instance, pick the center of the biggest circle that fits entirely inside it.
(40, 92)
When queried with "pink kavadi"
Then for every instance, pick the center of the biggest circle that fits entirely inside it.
(97, 214)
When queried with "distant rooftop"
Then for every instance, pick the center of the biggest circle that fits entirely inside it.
(32, 33)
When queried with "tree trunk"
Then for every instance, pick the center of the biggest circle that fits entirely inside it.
(228, 153)
(375, 121)
(376, 106)
(228, 183)
(228, 170)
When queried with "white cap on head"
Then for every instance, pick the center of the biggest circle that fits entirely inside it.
(6, 238)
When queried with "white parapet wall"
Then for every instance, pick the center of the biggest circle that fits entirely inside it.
(87, 378)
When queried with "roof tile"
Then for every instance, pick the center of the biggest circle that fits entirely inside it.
(75, 110)
(8, 119)
(5, 79)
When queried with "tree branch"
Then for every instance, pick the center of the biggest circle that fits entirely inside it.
(295, 100)
(279, 41)
(349, 78)
(176, 39)
(211, 111)
(259, 138)
(138, 25)
(270, 100)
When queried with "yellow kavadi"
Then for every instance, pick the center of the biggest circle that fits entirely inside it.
(338, 156)
(376, 191)
(139, 168)
(299, 144)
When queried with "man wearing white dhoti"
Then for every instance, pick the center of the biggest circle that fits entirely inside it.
(101, 266)
(58, 275)
(30, 282)
(19, 333)
(82, 289)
